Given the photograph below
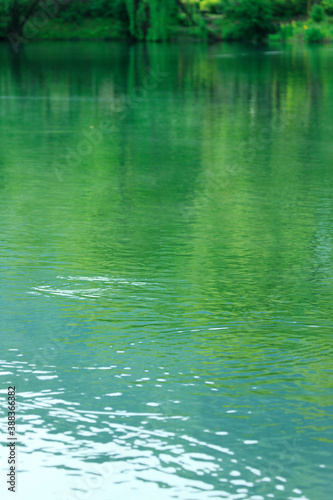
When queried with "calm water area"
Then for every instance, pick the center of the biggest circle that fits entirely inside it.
(166, 270)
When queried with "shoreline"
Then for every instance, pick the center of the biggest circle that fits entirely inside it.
(99, 29)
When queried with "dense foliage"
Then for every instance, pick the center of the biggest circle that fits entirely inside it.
(149, 19)
(157, 20)
(328, 6)
(317, 13)
(253, 19)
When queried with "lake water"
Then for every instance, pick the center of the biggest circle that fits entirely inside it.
(166, 220)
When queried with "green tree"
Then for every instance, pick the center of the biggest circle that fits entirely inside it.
(289, 8)
(317, 13)
(149, 19)
(328, 6)
(18, 12)
(253, 19)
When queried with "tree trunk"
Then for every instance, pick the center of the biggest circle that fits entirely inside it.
(18, 18)
(14, 18)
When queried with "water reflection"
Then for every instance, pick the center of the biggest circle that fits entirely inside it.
(166, 299)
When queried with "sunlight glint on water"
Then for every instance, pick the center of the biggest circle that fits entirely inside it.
(167, 290)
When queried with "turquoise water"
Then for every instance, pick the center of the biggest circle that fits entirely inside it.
(166, 251)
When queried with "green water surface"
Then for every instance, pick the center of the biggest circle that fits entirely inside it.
(166, 253)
